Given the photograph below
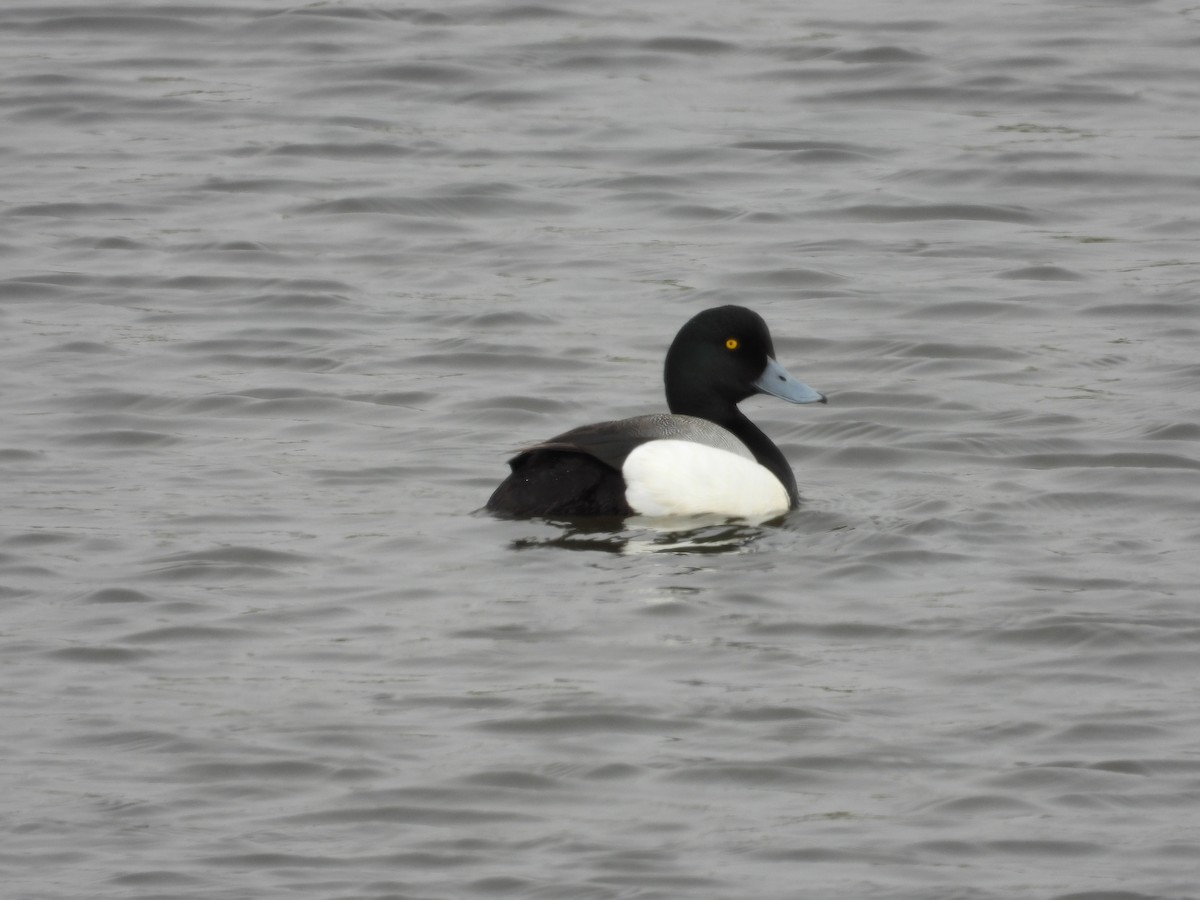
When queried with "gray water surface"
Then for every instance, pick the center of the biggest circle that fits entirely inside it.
(281, 288)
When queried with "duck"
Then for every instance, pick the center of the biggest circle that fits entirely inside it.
(703, 457)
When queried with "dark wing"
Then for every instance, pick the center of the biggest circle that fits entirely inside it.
(612, 442)
(558, 483)
(609, 442)
(577, 473)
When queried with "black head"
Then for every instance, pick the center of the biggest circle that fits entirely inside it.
(722, 356)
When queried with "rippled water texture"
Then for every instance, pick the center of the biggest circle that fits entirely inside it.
(282, 287)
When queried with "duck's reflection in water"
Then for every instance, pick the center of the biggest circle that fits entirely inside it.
(642, 535)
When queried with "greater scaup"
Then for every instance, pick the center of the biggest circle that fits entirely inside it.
(705, 457)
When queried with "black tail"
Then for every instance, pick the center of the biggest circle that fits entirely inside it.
(552, 483)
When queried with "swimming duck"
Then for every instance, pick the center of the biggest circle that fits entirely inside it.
(703, 457)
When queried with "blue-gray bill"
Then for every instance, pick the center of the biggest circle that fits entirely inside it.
(778, 382)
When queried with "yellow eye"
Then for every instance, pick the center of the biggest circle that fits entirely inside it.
(731, 344)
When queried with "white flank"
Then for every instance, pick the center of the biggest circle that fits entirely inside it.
(683, 478)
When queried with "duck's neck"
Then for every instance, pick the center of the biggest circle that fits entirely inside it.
(767, 454)
(729, 417)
